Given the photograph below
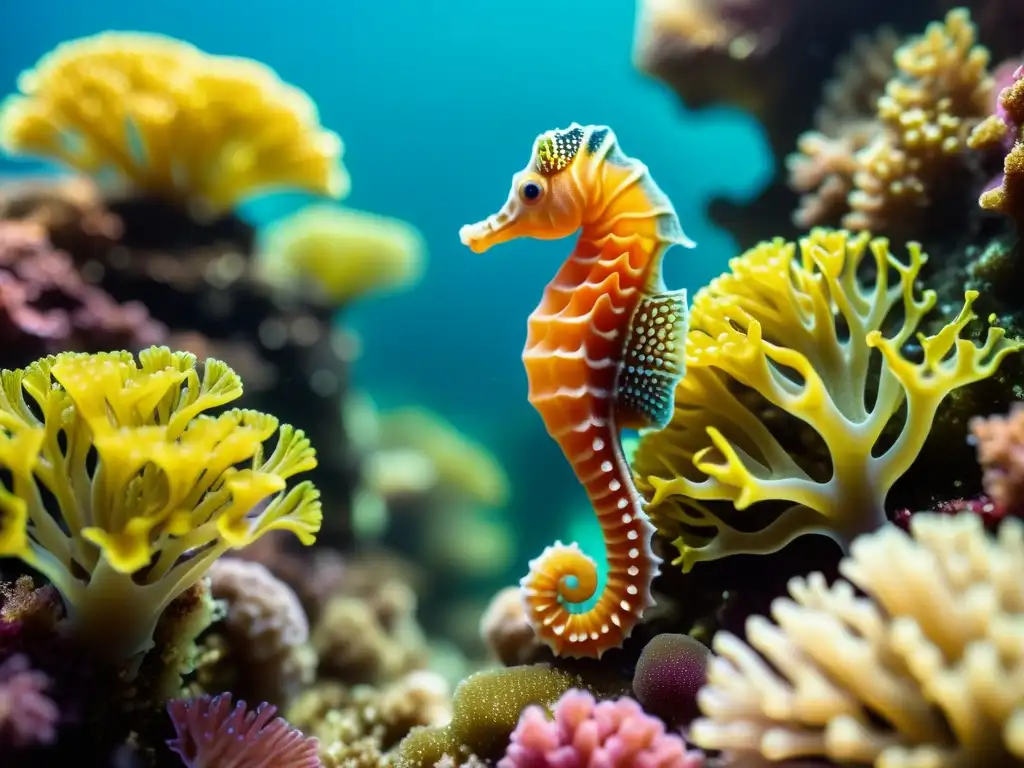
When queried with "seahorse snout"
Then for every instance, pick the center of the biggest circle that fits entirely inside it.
(484, 234)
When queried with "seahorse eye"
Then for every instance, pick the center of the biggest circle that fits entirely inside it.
(530, 191)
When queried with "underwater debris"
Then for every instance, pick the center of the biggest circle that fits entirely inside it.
(268, 656)
(210, 733)
(773, 324)
(176, 123)
(590, 734)
(1000, 444)
(926, 665)
(27, 715)
(339, 254)
(669, 673)
(602, 354)
(46, 307)
(122, 538)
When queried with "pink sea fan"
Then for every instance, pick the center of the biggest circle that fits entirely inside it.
(588, 734)
(27, 715)
(213, 734)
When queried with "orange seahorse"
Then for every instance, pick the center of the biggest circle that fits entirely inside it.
(604, 352)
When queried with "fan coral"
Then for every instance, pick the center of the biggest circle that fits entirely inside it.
(266, 629)
(801, 333)
(124, 492)
(177, 123)
(590, 735)
(942, 89)
(926, 669)
(27, 714)
(1000, 443)
(1005, 131)
(670, 671)
(341, 254)
(212, 734)
(45, 306)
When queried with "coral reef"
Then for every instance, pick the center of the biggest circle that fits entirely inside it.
(1004, 132)
(801, 331)
(267, 656)
(110, 534)
(210, 733)
(590, 734)
(1000, 446)
(926, 666)
(200, 130)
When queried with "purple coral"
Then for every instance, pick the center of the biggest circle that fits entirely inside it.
(671, 670)
(213, 734)
(588, 734)
(27, 715)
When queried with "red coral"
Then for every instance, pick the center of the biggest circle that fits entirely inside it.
(46, 306)
(27, 715)
(587, 734)
(213, 734)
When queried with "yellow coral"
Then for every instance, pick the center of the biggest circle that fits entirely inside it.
(925, 669)
(123, 491)
(461, 463)
(801, 331)
(178, 123)
(942, 89)
(341, 253)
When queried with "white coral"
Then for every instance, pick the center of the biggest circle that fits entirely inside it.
(925, 671)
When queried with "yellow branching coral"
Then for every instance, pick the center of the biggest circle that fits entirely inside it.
(194, 128)
(926, 669)
(341, 254)
(800, 329)
(123, 490)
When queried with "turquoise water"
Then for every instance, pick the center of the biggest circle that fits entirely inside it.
(438, 104)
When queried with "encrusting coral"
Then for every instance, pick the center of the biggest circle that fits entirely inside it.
(175, 122)
(925, 668)
(266, 632)
(340, 254)
(123, 491)
(795, 324)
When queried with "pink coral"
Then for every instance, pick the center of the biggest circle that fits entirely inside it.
(213, 734)
(27, 715)
(588, 734)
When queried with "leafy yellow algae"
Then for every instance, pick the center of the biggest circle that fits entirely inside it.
(341, 254)
(799, 329)
(175, 122)
(123, 491)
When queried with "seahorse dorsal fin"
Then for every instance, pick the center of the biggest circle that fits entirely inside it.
(654, 361)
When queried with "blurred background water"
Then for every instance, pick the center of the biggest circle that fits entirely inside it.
(438, 104)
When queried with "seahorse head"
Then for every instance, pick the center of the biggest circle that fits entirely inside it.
(551, 196)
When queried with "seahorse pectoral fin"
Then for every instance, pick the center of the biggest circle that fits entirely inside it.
(654, 360)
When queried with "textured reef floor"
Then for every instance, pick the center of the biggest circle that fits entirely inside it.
(215, 553)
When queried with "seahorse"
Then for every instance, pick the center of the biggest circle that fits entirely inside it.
(604, 352)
